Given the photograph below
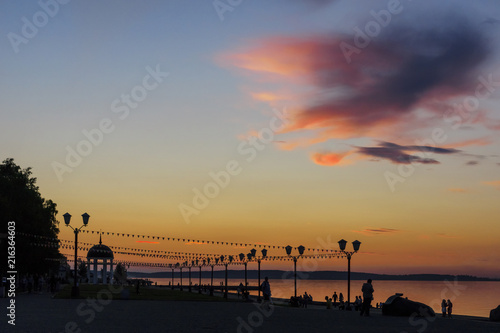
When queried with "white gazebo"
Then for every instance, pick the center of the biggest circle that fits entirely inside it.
(98, 259)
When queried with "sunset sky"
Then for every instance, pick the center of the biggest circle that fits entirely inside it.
(265, 122)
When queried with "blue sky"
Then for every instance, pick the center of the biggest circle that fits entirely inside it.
(317, 177)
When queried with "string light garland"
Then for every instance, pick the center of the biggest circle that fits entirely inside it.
(189, 240)
(44, 241)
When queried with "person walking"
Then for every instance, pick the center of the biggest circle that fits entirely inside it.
(367, 290)
(443, 307)
(266, 291)
(334, 298)
(306, 299)
(450, 308)
(240, 289)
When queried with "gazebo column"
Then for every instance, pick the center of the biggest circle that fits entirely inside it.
(88, 270)
(104, 271)
(111, 272)
(95, 271)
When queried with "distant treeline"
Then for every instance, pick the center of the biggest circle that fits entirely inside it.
(317, 275)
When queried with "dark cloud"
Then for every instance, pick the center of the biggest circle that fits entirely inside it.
(382, 230)
(402, 69)
(384, 84)
(370, 232)
(427, 149)
(472, 163)
(315, 2)
(400, 154)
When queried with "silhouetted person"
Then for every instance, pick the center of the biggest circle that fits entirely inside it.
(367, 290)
(450, 308)
(306, 299)
(266, 291)
(443, 307)
(328, 302)
(335, 297)
(357, 303)
(240, 289)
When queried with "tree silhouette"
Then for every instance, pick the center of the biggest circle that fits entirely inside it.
(120, 273)
(21, 202)
(82, 269)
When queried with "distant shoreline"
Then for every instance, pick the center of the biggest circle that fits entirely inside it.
(317, 275)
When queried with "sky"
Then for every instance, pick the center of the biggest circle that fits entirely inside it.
(264, 122)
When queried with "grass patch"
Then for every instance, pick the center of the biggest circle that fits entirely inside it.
(145, 293)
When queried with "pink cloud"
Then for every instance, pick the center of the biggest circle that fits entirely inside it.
(327, 159)
(381, 93)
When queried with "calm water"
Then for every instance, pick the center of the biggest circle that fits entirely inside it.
(469, 298)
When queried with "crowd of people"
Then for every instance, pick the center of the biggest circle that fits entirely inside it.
(361, 303)
(337, 301)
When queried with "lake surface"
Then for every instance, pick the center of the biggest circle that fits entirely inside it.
(468, 298)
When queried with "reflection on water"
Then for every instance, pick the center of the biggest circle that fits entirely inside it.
(469, 298)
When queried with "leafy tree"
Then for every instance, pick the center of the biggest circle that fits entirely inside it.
(21, 202)
(82, 269)
(120, 273)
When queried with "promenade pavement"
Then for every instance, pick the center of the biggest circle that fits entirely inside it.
(41, 313)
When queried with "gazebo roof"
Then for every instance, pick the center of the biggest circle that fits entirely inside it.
(100, 251)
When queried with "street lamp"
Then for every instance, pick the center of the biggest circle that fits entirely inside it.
(199, 282)
(212, 276)
(264, 254)
(253, 252)
(245, 262)
(172, 267)
(355, 246)
(180, 272)
(225, 264)
(288, 250)
(75, 292)
(189, 267)
(249, 258)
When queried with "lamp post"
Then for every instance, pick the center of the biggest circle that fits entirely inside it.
(75, 292)
(225, 285)
(199, 282)
(189, 287)
(172, 267)
(264, 254)
(288, 250)
(249, 257)
(355, 246)
(180, 268)
(242, 258)
(212, 276)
